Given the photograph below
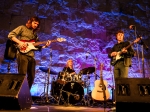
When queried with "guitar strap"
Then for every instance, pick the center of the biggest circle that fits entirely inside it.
(28, 40)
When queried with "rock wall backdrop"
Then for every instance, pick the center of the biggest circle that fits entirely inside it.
(89, 27)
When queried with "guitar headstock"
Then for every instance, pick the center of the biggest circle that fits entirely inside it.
(138, 39)
(101, 67)
(61, 39)
(101, 72)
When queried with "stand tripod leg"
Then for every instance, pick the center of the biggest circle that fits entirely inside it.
(68, 104)
(60, 96)
(47, 98)
(68, 97)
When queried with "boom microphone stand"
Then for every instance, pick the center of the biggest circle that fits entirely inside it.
(47, 96)
(95, 59)
(137, 50)
(90, 98)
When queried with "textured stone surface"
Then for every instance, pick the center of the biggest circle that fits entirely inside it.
(87, 25)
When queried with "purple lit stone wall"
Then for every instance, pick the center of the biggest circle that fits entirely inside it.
(87, 25)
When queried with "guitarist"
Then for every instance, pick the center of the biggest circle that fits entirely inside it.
(122, 65)
(20, 35)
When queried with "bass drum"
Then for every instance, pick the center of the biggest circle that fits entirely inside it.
(75, 92)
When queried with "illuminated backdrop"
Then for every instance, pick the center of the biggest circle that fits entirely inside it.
(89, 27)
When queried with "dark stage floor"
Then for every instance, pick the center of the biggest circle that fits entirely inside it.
(52, 108)
(125, 107)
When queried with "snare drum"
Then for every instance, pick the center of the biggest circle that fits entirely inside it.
(61, 78)
(74, 77)
(68, 76)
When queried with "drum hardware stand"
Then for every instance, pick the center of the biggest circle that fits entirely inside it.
(48, 79)
(8, 67)
(68, 94)
(8, 62)
(60, 96)
(87, 86)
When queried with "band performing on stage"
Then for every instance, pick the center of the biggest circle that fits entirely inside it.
(68, 87)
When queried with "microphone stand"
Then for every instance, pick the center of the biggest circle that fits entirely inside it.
(48, 81)
(137, 48)
(135, 34)
(143, 64)
(95, 59)
(143, 69)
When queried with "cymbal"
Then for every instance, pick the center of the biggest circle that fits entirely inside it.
(46, 70)
(88, 70)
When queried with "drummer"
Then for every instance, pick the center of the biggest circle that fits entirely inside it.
(69, 67)
(69, 70)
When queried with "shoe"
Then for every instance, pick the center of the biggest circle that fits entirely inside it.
(114, 102)
(113, 108)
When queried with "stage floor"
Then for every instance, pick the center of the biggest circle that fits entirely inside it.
(52, 108)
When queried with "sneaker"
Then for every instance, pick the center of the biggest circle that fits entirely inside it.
(114, 102)
(113, 108)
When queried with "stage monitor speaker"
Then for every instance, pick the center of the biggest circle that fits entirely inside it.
(14, 92)
(132, 94)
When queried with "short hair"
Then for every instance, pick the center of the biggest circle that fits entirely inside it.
(120, 31)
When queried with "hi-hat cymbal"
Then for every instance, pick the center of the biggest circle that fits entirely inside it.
(46, 70)
(88, 70)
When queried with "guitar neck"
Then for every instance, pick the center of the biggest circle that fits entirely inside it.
(126, 47)
(129, 45)
(101, 75)
(102, 83)
(43, 42)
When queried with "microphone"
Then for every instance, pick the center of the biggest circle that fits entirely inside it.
(87, 53)
(131, 26)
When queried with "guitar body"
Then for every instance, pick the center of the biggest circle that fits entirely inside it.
(30, 46)
(116, 58)
(97, 93)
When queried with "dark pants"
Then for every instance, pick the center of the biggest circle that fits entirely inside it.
(120, 71)
(26, 66)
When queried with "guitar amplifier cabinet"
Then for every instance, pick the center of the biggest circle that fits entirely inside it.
(14, 92)
(132, 94)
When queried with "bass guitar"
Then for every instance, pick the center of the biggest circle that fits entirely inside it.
(32, 45)
(119, 56)
(100, 91)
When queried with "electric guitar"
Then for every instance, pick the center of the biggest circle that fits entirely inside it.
(118, 56)
(100, 91)
(32, 45)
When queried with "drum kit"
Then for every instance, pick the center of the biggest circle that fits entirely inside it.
(68, 89)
